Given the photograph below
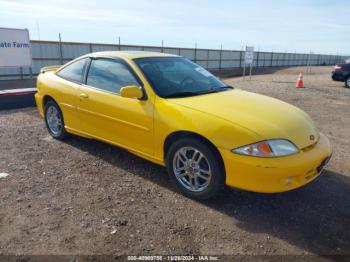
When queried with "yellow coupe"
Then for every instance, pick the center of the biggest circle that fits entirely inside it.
(173, 112)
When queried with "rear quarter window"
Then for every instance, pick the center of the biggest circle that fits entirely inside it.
(74, 71)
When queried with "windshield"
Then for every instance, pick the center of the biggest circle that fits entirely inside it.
(178, 77)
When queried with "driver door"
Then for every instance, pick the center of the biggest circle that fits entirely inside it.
(105, 115)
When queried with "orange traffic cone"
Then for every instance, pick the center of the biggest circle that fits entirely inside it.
(300, 83)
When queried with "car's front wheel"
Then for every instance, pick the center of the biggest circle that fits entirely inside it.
(347, 82)
(54, 120)
(195, 168)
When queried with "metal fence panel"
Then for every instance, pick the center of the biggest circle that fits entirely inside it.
(201, 54)
(275, 62)
(230, 55)
(188, 53)
(45, 50)
(213, 64)
(71, 51)
(214, 55)
(230, 64)
(128, 48)
(203, 63)
(277, 56)
(268, 56)
(38, 64)
(173, 51)
(47, 53)
(100, 48)
(153, 49)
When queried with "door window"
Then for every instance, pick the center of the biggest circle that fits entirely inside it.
(110, 75)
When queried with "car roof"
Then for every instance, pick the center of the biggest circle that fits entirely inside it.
(130, 54)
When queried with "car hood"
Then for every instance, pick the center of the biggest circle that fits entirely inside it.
(268, 117)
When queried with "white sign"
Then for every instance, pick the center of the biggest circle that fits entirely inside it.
(15, 50)
(249, 55)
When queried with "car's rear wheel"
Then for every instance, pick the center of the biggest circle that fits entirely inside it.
(54, 120)
(347, 82)
(195, 168)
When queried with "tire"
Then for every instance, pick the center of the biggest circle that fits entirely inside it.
(54, 120)
(347, 82)
(202, 162)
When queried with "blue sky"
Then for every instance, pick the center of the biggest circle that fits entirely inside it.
(294, 26)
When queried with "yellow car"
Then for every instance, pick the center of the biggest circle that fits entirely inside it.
(171, 111)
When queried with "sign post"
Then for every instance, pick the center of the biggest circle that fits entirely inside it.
(248, 60)
(15, 49)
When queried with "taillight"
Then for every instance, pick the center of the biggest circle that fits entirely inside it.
(337, 67)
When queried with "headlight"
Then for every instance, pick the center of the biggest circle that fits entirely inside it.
(268, 148)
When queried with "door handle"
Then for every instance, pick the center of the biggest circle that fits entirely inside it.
(83, 95)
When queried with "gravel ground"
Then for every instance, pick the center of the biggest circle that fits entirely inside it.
(84, 197)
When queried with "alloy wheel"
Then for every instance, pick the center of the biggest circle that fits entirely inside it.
(192, 169)
(54, 121)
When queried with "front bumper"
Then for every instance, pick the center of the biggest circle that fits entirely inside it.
(273, 175)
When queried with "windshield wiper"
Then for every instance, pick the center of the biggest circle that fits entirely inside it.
(223, 87)
(182, 94)
(189, 93)
(216, 90)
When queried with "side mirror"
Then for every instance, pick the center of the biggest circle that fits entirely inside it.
(131, 92)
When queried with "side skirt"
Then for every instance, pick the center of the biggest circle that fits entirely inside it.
(135, 152)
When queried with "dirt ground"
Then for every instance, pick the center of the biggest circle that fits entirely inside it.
(83, 197)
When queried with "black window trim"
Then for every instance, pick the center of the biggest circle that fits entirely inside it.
(119, 60)
(70, 63)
